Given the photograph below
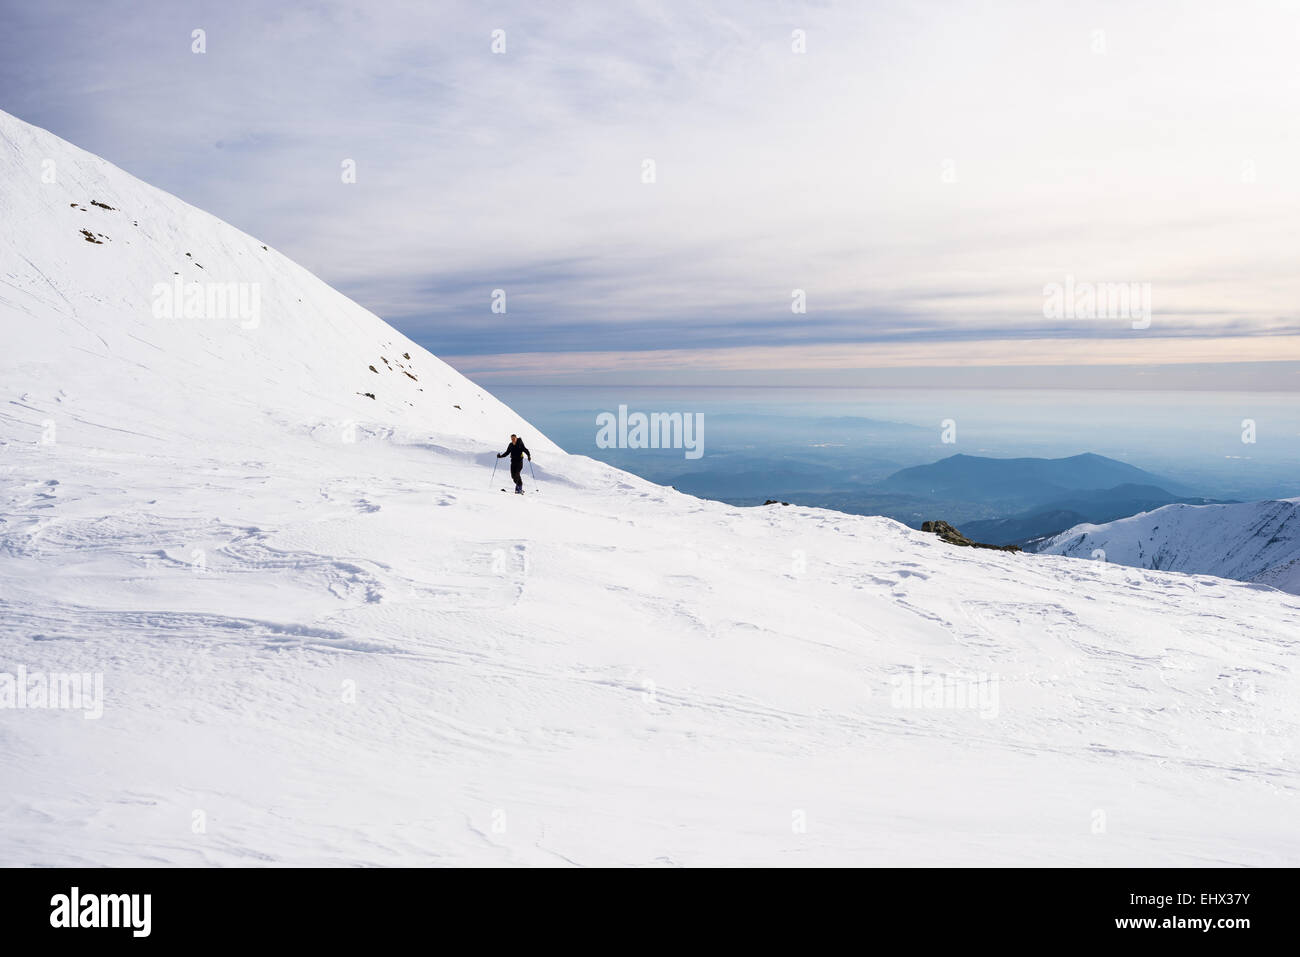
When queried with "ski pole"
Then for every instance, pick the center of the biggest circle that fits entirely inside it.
(492, 480)
(532, 473)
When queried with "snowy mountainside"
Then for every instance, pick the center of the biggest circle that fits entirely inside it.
(200, 329)
(1248, 541)
(324, 636)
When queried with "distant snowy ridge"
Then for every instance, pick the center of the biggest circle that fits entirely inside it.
(1249, 541)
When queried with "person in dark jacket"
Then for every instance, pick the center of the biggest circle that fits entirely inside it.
(517, 450)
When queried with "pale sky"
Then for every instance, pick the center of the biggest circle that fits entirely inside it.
(921, 171)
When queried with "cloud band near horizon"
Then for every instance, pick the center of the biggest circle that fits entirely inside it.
(657, 180)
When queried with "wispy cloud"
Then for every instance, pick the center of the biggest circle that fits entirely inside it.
(920, 173)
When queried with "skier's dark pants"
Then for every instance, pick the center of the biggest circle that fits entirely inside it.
(516, 468)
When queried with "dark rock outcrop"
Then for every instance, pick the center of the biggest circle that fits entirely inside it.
(953, 537)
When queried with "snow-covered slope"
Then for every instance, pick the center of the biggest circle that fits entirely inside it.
(326, 638)
(1251, 541)
(97, 328)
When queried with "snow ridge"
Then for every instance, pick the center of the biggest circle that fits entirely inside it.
(1249, 541)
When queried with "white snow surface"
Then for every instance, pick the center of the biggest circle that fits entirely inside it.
(318, 651)
(1248, 541)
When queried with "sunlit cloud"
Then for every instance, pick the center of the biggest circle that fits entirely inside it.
(917, 174)
(1033, 352)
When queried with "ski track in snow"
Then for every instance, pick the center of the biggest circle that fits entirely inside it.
(572, 660)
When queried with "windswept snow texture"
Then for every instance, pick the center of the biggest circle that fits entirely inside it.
(1251, 541)
(326, 638)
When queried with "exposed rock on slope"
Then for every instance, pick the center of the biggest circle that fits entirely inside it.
(953, 537)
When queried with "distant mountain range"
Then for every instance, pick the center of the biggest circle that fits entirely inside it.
(1048, 495)
(1025, 481)
(1095, 506)
(1090, 506)
(1248, 541)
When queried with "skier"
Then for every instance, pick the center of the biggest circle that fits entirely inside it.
(517, 450)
